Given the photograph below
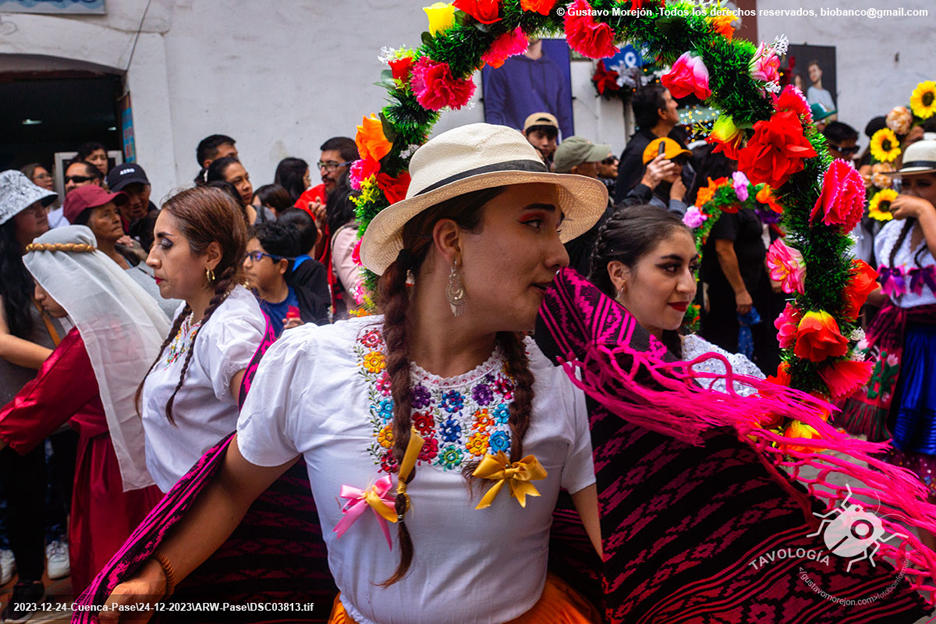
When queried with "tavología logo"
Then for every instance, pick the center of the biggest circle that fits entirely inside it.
(849, 531)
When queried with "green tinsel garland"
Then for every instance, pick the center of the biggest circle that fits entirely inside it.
(735, 93)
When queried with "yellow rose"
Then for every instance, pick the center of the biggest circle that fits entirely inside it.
(441, 16)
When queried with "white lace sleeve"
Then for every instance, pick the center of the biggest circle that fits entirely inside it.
(694, 346)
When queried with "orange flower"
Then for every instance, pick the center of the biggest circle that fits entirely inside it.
(782, 378)
(721, 25)
(862, 283)
(766, 197)
(543, 7)
(706, 193)
(818, 337)
(801, 430)
(370, 139)
(845, 376)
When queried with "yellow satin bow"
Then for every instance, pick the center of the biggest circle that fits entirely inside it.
(517, 475)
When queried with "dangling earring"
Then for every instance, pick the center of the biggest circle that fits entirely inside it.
(209, 273)
(455, 291)
(617, 297)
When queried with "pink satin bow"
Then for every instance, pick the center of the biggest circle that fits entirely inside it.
(377, 498)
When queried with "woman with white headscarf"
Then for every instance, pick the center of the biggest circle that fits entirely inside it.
(90, 381)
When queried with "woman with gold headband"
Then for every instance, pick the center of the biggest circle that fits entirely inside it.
(89, 381)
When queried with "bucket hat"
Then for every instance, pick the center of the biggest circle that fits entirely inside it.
(17, 193)
(472, 158)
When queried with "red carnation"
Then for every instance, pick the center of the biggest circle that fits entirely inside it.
(843, 377)
(401, 68)
(843, 196)
(585, 35)
(485, 11)
(791, 99)
(435, 87)
(862, 283)
(393, 188)
(605, 79)
(776, 151)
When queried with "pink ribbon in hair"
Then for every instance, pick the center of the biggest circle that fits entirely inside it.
(377, 498)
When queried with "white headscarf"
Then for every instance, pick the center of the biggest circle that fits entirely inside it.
(120, 324)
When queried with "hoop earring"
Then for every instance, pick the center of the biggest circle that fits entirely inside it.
(455, 291)
(210, 274)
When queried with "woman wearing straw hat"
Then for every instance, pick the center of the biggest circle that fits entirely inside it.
(402, 408)
(89, 381)
(900, 399)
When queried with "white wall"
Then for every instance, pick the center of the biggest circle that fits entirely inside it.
(870, 81)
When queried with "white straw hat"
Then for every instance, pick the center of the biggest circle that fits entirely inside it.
(471, 158)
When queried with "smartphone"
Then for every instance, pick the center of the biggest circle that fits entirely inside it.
(662, 149)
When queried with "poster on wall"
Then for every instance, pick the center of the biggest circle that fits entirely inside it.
(54, 7)
(813, 69)
(536, 82)
(126, 128)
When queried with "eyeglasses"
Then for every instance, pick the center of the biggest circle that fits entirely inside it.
(257, 256)
(332, 165)
(610, 160)
(42, 176)
(78, 179)
(845, 150)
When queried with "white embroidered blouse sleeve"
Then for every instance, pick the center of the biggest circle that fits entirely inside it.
(230, 342)
(578, 472)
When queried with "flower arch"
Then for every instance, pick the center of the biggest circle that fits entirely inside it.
(786, 169)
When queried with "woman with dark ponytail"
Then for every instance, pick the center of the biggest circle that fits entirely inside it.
(440, 416)
(900, 399)
(646, 260)
(189, 398)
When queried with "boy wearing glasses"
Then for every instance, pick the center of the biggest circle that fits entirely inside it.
(842, 140)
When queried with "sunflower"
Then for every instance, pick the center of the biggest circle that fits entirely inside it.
(879, 206)
(884, 145)
(923, 99)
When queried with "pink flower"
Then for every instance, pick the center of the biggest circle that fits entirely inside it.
(435, 87)
(694, 217)
(361, 170)
(740, 183)
(507, 45)
(786, 325)
(585, 35)
(843, 196)
(792, 99)
(356, 252)
(687, 76)
(787, 267)
(765, 65)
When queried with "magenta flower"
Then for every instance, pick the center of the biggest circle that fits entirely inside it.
(786, 325)
(687, 76)
(694, 217)
(507, 45)
(740, 182)
(787, 267)
(843, 196)
(435, 88)
(361, 170)
(765, 65)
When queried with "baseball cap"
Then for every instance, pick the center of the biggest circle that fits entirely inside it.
(671, 150)
(124, 174)
(540, 120)
(577, 150)
(87, 197)
(820, 112)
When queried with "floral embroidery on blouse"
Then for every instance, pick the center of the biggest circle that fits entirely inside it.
(461, 419)
(182, 341)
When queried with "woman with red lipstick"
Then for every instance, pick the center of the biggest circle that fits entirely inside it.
(646, 259)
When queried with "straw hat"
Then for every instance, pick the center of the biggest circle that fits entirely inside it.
(472, 158)
(919, 157)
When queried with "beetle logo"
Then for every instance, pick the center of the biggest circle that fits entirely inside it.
(850, 531)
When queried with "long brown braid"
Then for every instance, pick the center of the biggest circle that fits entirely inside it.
(904, 232)
(204, 215)
(466, 211)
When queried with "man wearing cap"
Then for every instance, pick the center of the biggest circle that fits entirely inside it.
(139, 213)
(663, 183)
(542, 130)
(99, 210)
(656, 115)
(580, 156)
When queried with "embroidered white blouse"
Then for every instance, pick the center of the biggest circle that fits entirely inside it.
(323, 392)
(883, 244)
(204, 409)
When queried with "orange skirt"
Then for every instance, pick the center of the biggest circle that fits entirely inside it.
(559, 604)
